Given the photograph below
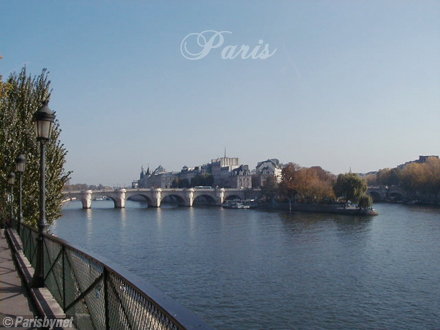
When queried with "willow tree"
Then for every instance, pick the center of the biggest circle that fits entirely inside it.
(350, 186)
(20, 97)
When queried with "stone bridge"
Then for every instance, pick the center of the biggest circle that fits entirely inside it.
(381, 193)
(155, 196)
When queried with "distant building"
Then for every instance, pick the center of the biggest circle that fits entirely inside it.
(264, 169)
(226, 172)
(423, 159)
(240, 177)
(221, 169)
(188, 173)
(159, 178)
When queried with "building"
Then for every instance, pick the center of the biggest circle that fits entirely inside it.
(264, 169)
(226, 173)
(159, 178)
(221, 169)
(240, 177)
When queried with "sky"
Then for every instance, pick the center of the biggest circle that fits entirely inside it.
(351, 84)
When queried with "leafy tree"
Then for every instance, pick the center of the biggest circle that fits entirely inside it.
(304, 179)
(413, 178)
(270, 188)
(308, 184)
(422, 179)
(288, 186)
(371, 179)
(184, 183)
(432, 169)
(175, 183)
(180, 183)
(365, 201)
(202, 180)
(350, 186)
(321, 187)
(388, 177)
(21, 96)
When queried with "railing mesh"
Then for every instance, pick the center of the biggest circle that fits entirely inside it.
(93, 294)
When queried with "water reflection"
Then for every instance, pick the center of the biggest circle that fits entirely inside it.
(89, 226)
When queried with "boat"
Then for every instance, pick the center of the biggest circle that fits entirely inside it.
(235, 205)
(101, 198)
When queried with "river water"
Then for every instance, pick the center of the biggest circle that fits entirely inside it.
(251, 269)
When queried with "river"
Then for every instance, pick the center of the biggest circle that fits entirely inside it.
(252, 269)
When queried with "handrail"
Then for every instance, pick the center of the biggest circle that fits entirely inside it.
(101, 295)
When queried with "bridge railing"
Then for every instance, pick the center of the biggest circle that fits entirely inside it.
(97, 295)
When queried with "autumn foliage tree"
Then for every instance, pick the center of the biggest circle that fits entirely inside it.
(306, 184)
(315, 184)
(422, 179)
(388, 176)
(288, 186)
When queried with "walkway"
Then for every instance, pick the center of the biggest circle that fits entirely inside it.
(13, 297)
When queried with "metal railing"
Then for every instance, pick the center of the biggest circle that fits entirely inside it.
(99, 297)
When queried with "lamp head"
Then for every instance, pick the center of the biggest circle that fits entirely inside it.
(20, 161)
(44, 119)
(11, 178)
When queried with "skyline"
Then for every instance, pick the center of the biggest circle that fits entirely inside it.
(349, 85)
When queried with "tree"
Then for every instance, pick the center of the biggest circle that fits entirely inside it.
(388, 177)
(202, 180)
(180, 183)
(422, 179)
(365, 201)
(372, 179)
(321, 188)
(270, 188)
(413, 178)
(432, 166)
(308, 184)
(21, 96)
(350, 186)
(288, 186)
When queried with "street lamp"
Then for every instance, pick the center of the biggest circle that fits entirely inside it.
(11, 181)
(43, 119)
(20, 161)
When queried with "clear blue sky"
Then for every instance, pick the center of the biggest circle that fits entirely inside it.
(351, 83)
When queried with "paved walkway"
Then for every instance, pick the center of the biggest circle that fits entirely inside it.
(13, 297)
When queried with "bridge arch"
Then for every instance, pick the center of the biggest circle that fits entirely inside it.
(204, 199)
(377, 197)
(73, 200)
(173, 199)
(232, 197)
(396, 196)
(143, 198)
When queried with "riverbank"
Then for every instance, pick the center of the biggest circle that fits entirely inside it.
(321, 208)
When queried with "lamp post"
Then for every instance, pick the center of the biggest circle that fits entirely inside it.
(11, 181)
(20, 161)
(43, 119)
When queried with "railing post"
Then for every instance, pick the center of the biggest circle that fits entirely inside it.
(106, 302)
(63, 260)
